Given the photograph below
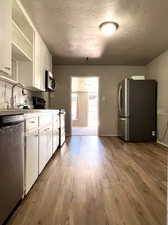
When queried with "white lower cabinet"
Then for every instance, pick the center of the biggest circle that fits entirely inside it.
(31, 159)
(55, 132)
(42, 148)
(45, 146)
(49, 143)
(41, 141)
(55, 139)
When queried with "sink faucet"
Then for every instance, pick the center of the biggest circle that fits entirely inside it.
(12, 95)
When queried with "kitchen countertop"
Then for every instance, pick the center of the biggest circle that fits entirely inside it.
(4, 112)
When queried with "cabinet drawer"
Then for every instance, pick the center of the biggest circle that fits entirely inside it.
(31, 123)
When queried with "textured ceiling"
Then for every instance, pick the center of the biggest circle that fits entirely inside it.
(70, 29)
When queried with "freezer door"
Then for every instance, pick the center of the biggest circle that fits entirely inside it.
(143, 94)
(123, 98)
(123, 125)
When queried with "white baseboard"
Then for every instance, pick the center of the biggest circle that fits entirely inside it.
(102, 135)
(108, 135)
(161, 143)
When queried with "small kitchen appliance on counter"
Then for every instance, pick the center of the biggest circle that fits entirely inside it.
(38, 103)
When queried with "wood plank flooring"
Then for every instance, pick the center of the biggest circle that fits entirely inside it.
(99, 181)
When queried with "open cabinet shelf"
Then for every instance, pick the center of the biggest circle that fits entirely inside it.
(20, 44)
(20, 18)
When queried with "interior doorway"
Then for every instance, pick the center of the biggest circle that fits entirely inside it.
(84, 105)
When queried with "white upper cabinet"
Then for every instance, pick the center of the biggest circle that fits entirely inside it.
(22, 45)
(29, 52)
(37, 60)
(24, 57)
(5, 37)
(42, 62)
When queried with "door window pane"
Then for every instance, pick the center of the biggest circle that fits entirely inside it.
(92, 111)
(74, 106)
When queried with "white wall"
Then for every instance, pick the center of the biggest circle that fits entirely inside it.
(158, 70)
(109, 77)
(84, 84)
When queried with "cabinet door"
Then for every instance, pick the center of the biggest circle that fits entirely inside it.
(43, 149)
(37, 60)
(62, 121)
(5, 36)
(43, 62)
(31, 160)
(55, 133)
(46, 63)
(49, 143)
(55, 138)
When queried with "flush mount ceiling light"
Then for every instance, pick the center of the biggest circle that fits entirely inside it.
(108, 28)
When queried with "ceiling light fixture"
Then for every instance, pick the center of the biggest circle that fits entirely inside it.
(108, 28)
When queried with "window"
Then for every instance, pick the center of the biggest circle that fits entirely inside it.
(74, 106)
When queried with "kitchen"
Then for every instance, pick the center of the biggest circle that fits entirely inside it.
(41, 52)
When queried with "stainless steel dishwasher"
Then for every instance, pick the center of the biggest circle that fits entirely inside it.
(11, 163)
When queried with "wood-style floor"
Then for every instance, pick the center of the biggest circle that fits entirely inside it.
(99, 181)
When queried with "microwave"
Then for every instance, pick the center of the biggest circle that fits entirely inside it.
(50, 81)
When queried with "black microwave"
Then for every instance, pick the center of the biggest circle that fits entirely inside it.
(50, 81)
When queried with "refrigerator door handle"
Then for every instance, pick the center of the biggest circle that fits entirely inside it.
(119, 99)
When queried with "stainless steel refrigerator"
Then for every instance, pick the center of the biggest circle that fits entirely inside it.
(137, 110)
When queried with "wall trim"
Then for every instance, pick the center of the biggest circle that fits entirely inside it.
(102, 135)
(161, 143)
(108, 135)
(114, 135)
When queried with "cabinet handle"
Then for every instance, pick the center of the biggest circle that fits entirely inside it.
(7, 68)
(32, 121)
(47, 129)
